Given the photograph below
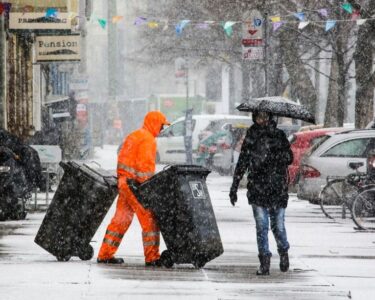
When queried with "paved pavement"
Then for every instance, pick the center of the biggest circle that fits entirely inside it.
(328, 261)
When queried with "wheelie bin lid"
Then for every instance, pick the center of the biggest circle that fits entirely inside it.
(187, 169)
(98, 174)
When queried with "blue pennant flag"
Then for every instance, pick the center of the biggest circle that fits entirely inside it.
(330, 24)
(180, 26)
(300, 16)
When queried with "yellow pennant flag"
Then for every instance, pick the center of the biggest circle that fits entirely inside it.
(275, 19)
(117, 19)
(153, 24)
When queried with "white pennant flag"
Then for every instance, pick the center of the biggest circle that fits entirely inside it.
(361, 21)
(303, 24)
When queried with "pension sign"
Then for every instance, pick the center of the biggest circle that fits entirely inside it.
(58, 48)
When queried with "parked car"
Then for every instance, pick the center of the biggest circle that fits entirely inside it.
(171, 147)
(371, 125)
(223, 125)
(220, 151)
(331, 157)
(302, 141)
(288, 128)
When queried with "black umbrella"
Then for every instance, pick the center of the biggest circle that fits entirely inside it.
(278, 106)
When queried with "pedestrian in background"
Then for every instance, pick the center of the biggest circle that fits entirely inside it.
(136, 161)
(265, 155)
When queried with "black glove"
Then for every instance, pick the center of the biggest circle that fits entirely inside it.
(233, 195)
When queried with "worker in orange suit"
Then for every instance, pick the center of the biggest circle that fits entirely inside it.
(136, 160)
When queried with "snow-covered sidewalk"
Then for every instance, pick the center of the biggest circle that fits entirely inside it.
(328, 260)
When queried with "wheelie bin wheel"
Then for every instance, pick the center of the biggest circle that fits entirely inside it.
(3, 216)
(199, 262)
(86, 252)
(166, 259)
(63, 257)
(19, 215)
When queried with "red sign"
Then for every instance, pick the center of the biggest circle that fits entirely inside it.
(117, 124)
(168, 103)
(252, 42)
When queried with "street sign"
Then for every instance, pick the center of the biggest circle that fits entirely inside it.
(252, 36)
(81, 96)
(180, 67)
(77, 84)
(252, 27)
(252, 53)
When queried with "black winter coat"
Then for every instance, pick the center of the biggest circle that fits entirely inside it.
(265, 155)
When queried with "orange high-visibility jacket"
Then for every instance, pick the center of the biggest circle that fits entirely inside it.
(136, 159)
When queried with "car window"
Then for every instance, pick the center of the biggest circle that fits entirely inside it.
(178, 129)
(292, 138)
(217, 125)
(317, 145)
(317, 140)
(166, 132)
(352, 148)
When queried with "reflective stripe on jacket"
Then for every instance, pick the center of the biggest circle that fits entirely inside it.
(137, 156)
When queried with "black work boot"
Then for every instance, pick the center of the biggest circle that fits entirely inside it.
(113, 260)
(265, 262)
(284, 261)
(155, 263)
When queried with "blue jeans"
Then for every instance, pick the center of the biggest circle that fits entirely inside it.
(277, 217)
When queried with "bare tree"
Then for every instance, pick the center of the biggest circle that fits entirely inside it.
(365, 75)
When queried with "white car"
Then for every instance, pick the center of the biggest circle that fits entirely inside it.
(170, 142)
(331, 157)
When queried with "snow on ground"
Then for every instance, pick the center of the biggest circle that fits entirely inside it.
(328, 260)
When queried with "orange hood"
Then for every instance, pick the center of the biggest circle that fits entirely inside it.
(153, 122)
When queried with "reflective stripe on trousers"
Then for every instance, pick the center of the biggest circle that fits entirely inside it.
(127, 205)
(151, 238)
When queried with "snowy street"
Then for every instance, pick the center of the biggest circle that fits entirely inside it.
(328, 260)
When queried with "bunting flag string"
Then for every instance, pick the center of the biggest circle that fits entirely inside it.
(302, 18)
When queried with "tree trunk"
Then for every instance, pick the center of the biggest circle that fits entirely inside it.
(364, 76)
(331, 112)
(299, 78)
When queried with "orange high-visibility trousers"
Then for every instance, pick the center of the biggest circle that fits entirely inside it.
(127, 205)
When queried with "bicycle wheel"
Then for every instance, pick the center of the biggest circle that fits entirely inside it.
(331, 199)
(363, 210)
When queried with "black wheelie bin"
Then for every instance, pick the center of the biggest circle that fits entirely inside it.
(179, 198)
(78, 207)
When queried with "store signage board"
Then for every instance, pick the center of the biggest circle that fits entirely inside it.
(39, 21)
(58, 48)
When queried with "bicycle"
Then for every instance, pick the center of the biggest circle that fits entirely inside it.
(338, 195)
(363, 210)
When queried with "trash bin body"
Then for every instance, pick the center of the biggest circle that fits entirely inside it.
(180, 200)
(78, 207)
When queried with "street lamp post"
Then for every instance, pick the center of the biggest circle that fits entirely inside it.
(188, 137)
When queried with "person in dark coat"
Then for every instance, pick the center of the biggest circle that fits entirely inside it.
(265, 155)
(26, 156)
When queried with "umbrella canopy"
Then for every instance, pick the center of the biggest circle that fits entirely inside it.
(278, 106)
